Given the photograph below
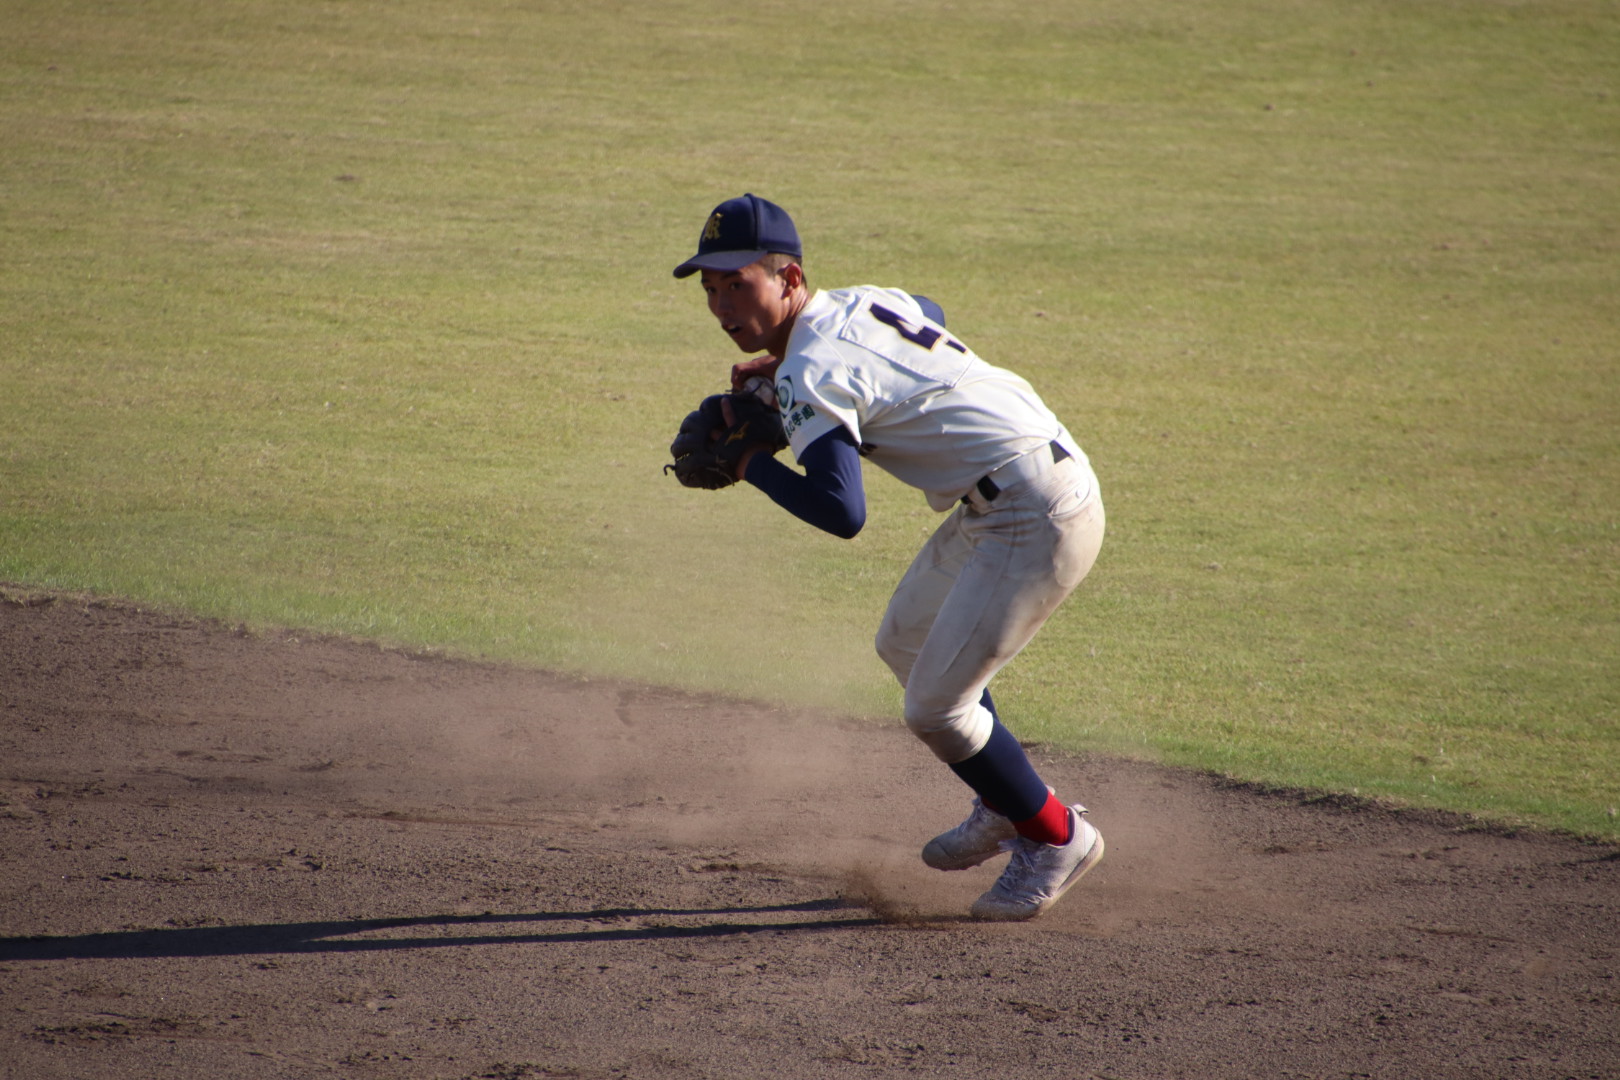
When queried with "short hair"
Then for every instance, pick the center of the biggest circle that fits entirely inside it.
(775, 261)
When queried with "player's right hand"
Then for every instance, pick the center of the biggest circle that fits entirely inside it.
(760, 365)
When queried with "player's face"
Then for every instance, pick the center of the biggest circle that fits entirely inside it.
(754, 306)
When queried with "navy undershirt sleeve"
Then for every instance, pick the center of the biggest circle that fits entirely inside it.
(829, 493)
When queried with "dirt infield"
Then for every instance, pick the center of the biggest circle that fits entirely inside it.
(228, 855)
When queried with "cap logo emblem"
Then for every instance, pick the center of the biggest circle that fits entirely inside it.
(711, 231)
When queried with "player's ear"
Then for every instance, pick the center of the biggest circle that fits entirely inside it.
(792, 275)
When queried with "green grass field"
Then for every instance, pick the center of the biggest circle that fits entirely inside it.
(357, 316)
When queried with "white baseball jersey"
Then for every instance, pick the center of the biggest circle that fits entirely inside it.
(921, 405)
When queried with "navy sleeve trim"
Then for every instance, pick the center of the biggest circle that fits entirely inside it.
(930, 309)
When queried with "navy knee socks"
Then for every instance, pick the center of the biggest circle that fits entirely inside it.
(1005, 781)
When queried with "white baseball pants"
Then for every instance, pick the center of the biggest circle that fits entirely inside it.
(983, 584)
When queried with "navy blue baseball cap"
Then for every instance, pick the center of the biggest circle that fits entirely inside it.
(742, 231)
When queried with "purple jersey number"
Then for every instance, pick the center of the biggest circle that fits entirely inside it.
(924, 337)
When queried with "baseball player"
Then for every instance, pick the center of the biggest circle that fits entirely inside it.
(873, 373)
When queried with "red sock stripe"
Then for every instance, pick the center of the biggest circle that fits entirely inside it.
(1050, 826)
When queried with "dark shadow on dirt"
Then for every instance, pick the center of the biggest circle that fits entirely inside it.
(316, 937)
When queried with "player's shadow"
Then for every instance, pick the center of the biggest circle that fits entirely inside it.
(340, 935)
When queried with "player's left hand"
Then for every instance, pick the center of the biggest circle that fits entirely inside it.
(716, 436)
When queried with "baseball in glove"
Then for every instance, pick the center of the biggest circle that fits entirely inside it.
(714, 437)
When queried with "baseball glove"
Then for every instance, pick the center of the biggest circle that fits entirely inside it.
(714, 437)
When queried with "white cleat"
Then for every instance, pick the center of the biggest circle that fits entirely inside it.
(984, 835)
(1039, 874)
